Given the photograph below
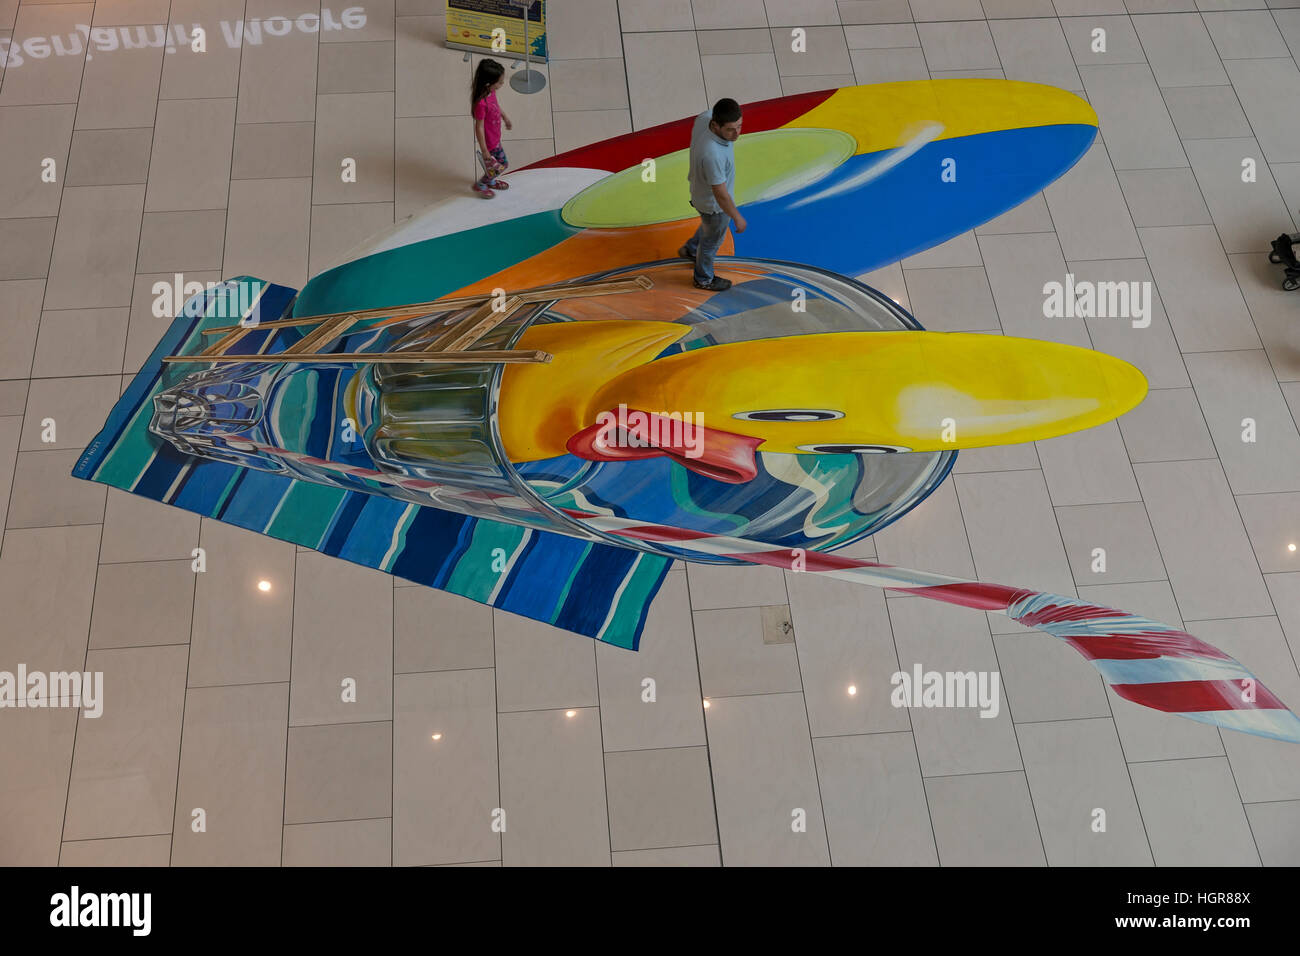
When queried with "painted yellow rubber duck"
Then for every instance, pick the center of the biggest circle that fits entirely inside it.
(824, 393)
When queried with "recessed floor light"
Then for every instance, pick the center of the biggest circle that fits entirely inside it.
(264, 585)
(437, 736)
(853, 689)
(570, 713)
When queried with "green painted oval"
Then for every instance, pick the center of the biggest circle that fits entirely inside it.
(768, 164)
(431, 268)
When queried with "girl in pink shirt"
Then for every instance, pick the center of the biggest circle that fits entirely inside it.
(488, 118)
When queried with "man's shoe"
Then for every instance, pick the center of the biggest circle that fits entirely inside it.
(683, 254)
(716, 284)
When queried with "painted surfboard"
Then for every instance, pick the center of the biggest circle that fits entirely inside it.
(847, 180)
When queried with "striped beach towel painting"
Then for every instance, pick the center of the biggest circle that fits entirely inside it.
(597, 590)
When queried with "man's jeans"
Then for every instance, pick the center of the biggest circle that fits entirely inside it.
(703, 246)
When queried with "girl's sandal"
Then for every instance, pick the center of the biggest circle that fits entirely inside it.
(500, 184)
(484, 192)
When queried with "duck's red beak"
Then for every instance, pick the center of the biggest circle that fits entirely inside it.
(629, 434)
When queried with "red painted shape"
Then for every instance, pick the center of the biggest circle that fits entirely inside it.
(1064, 613)
(659, 532)
(1192, 696)
(1121, 645)
(1143, 645)
(718, 454)
(632, 148)
(986, 597)
(788, 558)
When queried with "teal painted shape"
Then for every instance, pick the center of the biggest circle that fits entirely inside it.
(431, 268)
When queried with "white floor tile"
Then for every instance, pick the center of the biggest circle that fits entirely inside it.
(1232, 388)
(952, 740)
(342, 643)
(1203, 302)
(552, 789)
(1091, 217)
(844, 640)
(1276, 828)
(1168, 426)
(780, 822)
(667, 656)
(660, 799)
(984, 820)
(445, 790)
(1088, 467)
(875, 801)
(540, 667)
(1134, 120)
(1075, 769)
(1179, 49)
(1192, 813)
(1210, 562)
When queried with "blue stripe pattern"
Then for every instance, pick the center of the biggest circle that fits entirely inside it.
(560, 579)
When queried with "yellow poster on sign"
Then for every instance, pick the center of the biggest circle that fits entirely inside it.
(497, 26)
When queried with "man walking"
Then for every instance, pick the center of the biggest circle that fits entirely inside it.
(713, 179)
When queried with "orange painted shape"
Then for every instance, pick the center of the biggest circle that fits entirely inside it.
(595, 250)
(674, 294)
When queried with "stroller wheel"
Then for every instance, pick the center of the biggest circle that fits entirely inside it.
(1291, 284)
(1274, 258)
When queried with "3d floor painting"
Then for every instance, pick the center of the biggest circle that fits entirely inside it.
(528, 403)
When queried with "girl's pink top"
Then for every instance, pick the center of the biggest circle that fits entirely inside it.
(489, 112)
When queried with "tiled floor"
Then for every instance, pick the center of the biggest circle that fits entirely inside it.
(226, 736)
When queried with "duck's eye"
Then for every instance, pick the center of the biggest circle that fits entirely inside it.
(789, 415)
(854, 449)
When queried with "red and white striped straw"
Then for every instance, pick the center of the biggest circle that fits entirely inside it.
(1142, 660)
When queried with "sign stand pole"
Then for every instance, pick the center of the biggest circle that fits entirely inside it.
(530, 80)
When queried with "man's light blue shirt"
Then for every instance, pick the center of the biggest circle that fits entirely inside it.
(712, 164)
